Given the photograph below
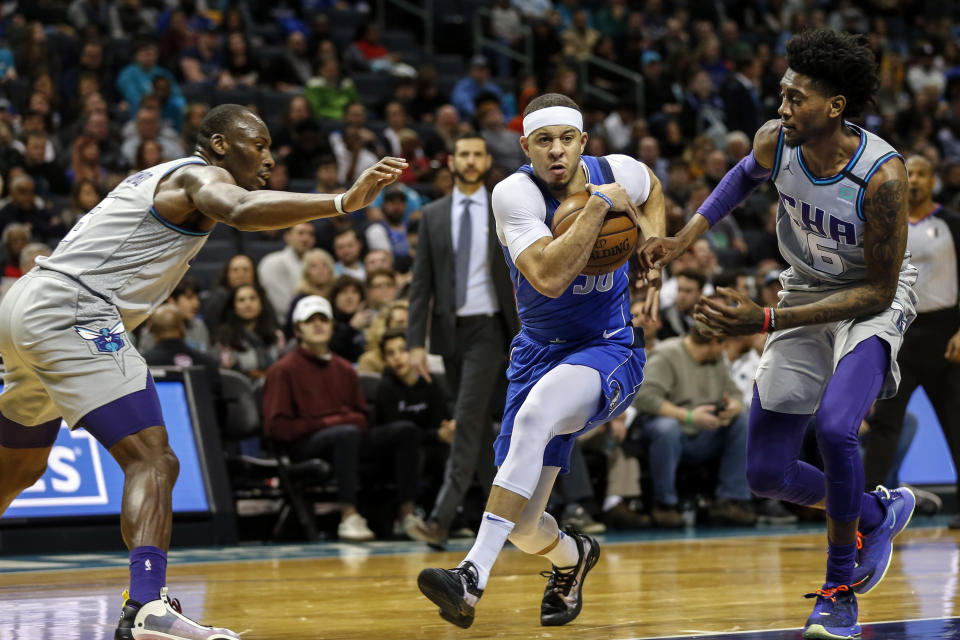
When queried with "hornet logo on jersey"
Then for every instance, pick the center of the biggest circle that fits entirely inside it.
(105, 340)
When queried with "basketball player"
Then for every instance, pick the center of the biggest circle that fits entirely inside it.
(847, 299)
(64, 332)
(576, 362)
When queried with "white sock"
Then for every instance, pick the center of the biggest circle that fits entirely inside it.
(490, 540)
(565, 554)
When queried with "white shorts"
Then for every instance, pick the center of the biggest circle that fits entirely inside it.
(797, 363)
(65, 351)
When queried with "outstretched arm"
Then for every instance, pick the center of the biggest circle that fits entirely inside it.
(213, 192)
(885, 240)
(733, 189)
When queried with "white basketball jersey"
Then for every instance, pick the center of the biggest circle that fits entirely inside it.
(820, 222)
(124, 252)
(934, 244)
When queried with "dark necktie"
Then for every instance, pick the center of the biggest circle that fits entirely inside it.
(463, 253)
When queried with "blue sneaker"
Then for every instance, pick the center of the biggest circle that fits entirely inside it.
(834, 616)
(875, 549)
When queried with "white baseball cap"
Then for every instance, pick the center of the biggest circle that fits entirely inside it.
(309, 306)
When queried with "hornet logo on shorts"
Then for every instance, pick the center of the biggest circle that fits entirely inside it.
(899, 318)
(105, 340)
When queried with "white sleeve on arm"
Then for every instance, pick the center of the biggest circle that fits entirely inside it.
(632, 176)
(520, 211)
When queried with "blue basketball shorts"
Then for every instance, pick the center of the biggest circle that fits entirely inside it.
(619, 360)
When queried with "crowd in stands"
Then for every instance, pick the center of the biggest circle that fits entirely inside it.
(94, 90)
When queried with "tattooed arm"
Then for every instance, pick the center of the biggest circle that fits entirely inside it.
(884, 242)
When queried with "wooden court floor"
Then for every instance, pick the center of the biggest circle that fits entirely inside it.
(696, 587)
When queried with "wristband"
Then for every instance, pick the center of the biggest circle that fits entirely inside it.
(766, 320)
(689, 416)
(603, 197)
(338, 202)
(773, 319)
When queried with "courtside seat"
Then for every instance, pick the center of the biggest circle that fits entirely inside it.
(257, 474)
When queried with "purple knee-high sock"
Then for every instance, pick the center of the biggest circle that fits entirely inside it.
(148, 573)
(774, 442)
(846, 400)
(840, 559)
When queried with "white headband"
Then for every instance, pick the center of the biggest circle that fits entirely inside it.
(552, 116)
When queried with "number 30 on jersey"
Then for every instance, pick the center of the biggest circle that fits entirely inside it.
(601, 283)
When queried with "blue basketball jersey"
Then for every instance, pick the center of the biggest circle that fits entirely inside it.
(591, 305)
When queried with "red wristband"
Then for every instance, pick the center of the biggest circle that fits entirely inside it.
(766, 320)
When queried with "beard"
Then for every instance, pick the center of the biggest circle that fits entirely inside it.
(792, 144)
(916, 197)
(560, 187)
(462, 178)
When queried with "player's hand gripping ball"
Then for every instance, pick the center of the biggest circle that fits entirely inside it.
(617, 241)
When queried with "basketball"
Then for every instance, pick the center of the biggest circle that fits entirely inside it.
(616, 242)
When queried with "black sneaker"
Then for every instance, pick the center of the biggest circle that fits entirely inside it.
(563, 597)
(127, 616)
(454, 590)
(163, 618)
(928, 503)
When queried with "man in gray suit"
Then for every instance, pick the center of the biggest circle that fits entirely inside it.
(460, 267)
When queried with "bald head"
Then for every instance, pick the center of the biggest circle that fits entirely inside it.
(167, 323)
(222, 119)
(921, 178)
(234, 138)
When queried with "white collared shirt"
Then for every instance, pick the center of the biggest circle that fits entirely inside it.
(481, 296)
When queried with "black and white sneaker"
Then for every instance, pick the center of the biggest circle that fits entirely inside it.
(454, 590)
(563, 597)
(162, 619)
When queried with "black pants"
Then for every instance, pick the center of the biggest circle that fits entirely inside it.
(473, 375)
(346, 446)
(921, 364)
(433, 461)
